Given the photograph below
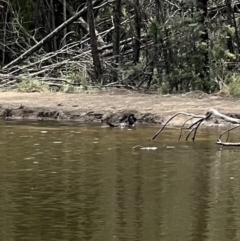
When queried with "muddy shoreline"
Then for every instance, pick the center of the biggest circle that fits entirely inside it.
(90, 107)
(81, 116)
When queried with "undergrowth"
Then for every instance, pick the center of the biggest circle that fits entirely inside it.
(234, 85)
(32, 85)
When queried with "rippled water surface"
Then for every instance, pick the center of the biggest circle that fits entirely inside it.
(84, 182)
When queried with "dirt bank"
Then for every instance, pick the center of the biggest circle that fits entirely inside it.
(90, 107)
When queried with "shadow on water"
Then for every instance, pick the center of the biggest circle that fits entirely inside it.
(82, 182)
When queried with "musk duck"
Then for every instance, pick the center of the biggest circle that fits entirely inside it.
(129, 121)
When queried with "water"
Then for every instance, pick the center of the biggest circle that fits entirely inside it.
(84, 182)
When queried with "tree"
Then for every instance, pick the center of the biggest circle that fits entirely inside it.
(175, 46)
(203, 70)
(116, 36)
(137, 31)
(94, 44)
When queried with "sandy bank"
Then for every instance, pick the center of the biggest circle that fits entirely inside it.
(90, 107)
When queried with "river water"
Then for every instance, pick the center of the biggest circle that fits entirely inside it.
(84, 182)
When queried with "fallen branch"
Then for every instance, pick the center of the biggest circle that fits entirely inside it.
(219, 142)
(179, 113)
(201, 118)
(226, 118)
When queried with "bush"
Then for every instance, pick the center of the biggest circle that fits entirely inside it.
(32, 85)
(234, 85)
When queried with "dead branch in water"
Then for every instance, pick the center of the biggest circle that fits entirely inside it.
(219, 142)
(226, 143)
(201, 118)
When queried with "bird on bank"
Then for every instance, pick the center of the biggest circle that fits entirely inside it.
(129, 121)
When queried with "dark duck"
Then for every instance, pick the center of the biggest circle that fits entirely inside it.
(125, 121)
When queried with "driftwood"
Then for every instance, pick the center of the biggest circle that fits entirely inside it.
(200, 118)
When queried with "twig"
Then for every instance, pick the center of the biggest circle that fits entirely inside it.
(227, 131)
(180, 136)
(194, 130)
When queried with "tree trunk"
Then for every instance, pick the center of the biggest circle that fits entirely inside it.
(93, 42)
(204, 72)
(165, 43)
(4, 13)
(137, 35)
(233, 22)
(53, 24)
(155, 51)
(116, 37)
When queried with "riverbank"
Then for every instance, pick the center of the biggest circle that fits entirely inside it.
(86, 107)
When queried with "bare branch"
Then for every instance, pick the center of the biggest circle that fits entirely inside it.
(179, 113)
(194, 127)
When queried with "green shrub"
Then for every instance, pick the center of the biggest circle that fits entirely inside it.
(234, 85)
(32, 85)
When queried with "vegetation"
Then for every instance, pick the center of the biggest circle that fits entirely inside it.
(169, 45)
(32, 85)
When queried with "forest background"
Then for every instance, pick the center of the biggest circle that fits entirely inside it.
(172, 46)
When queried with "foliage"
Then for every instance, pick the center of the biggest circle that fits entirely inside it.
(66, 88)
(32, 85)
(76, 73)
(184, 45)
(234, 85)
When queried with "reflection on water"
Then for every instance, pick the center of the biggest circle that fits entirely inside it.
(85, 183)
